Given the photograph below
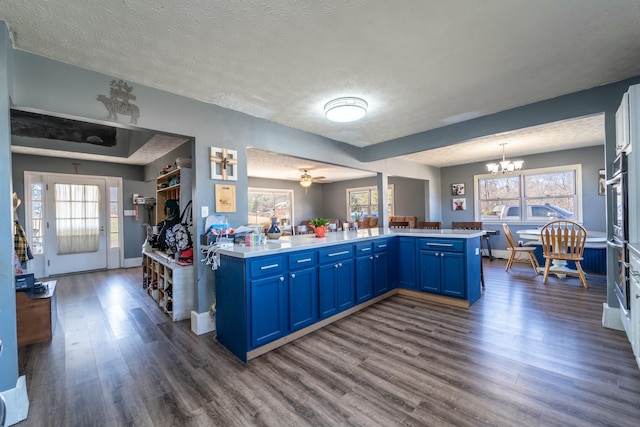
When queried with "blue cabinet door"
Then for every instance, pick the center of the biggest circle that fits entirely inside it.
(430, 271)
(345, 284)
(268, 309)
(328, 291)
(452, 267)
(364, 278)
(303, 298)
(380, 273)
(407, 263)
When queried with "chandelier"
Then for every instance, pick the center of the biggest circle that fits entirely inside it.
(306, 180)
(505, 166)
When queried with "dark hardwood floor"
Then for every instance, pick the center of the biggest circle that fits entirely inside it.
(526, 354)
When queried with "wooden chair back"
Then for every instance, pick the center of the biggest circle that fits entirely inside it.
(468, 225)
(430, 225)
(563, 240)
(511, 241)
(399, 224)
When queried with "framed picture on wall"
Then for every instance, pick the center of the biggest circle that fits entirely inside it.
(457, 189)
(460, 204)
(225, 198)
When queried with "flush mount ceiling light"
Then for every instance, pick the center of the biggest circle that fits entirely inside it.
(505, 166)
(344, 110)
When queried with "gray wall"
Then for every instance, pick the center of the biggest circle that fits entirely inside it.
(9, 357)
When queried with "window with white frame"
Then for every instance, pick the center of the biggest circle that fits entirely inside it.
(536, 195)
(363, 201)
(264, 203)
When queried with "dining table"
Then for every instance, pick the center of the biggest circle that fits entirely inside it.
(595, 239)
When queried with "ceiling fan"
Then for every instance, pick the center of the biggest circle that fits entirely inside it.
(306, 179)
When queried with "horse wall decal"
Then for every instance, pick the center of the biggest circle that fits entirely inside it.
(116, 106)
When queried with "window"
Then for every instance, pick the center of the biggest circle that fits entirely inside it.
(37, 221)
(364, 201)
(546, 194)
(114, 219)
(265, 203)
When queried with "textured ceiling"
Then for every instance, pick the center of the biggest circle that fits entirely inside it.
(419, 64)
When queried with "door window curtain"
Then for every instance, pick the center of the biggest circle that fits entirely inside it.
(77, 218)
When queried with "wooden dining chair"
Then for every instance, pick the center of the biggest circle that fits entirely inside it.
(562, 241)
(399, 224)
(430, 225)
(515, 250)
(471, 225)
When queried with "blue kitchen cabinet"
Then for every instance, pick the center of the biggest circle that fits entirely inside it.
(442, 266)
(407, 263)
(381, 281)
(303, 290)
(267, 300)
(336, 280)
(364, 272)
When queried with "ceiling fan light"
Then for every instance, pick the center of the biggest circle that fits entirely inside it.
(305, 182)
(346, 109)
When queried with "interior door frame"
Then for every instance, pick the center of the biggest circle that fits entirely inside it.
(114, 256)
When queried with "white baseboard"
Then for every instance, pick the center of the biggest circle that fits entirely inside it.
(17, 402)
(132, 262)
(202, 323)
(611, 317)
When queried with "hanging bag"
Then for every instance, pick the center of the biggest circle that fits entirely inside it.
(178, 236)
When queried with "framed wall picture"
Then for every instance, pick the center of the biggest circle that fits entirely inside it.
(602, 182)
(224, 164)
(225, 198)
(460, 204)
(457, 189)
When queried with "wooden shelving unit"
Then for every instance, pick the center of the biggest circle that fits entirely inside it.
(174, 185)
(169, 284)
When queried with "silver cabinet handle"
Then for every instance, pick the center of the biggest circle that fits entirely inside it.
(267, 267)
(383, 246)
(293, 275)
(303, 260)
(448, 245)
(365, 249)
(338, 253)
(282, 278)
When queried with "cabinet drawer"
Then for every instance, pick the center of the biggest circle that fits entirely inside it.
(336, 253)
(302, 260)
(442, 245)
(266, 266)
(381, 245)
(363, 249)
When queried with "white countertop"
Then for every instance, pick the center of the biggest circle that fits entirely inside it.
(310, 241)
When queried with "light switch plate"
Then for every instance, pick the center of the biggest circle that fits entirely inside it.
(204, 211)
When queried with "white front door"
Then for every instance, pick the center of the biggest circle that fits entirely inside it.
(76, 237)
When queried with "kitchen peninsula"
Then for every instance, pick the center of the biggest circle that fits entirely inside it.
(269, 295)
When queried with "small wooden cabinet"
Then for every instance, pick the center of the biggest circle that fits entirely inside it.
(169, 284)
(36, 315)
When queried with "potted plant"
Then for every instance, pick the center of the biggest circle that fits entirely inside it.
(319, 225)
(358, 217)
